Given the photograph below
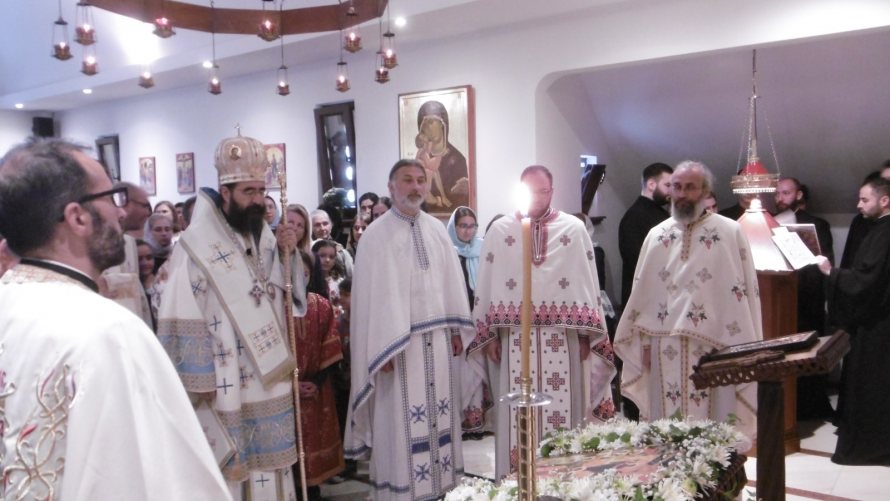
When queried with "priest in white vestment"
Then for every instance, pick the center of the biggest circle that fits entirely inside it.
(409, 317)
(695, 289)
(571, 357)
(90, 406)
(221, 320)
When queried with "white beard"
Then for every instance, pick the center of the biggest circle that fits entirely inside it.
(687, 217)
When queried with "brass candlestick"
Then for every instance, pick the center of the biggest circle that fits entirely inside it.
(526, 400)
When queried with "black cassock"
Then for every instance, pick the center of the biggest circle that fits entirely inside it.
(860, 297)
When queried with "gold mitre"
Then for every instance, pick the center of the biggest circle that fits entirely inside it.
(240, 158)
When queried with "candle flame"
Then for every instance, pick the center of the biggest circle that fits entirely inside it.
(522, 196)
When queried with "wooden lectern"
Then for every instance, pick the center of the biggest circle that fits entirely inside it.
(769, 366)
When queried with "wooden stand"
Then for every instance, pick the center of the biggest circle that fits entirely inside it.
(778, 302)
(769, 369)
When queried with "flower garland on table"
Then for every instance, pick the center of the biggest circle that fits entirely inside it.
(697, 452)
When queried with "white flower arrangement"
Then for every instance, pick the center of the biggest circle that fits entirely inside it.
(699, 450)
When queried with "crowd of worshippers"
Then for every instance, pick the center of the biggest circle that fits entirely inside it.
(403, 329)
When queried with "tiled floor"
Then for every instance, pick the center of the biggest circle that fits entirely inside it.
(809, 474)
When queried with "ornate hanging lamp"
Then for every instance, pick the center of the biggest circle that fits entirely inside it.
(163, 25)
(753, 178)
(61, 43)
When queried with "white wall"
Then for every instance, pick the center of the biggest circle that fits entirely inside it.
(512, 70)
(15, 127)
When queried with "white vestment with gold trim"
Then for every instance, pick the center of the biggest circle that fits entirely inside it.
(222, 322)
(90, 406)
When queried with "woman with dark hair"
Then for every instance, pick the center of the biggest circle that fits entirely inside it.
(366, 203)
(475, 391)
(317, 357)
(146, 261)
(271, 215)
(325, 252)
(355, 233)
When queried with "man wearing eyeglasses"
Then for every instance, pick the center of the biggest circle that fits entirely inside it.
(84, 385)
(121, 282)
(221, 319)
(569, 329)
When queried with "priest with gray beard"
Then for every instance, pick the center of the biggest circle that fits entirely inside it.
(695, 289)
(409, 317)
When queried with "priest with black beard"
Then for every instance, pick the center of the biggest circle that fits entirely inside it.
(222, 322)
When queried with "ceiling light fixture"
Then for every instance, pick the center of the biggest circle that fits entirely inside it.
(388, 44)
(85, 32)
(186, 15)
(381, 75)
(214, 86)
(342, 67)
(19, 106)
(283, 85)
(89, 66)
(353, 40)
(163, 25)
(268, 30)
(753, 178)
(87, 91)
(61, 45)
(145, 79)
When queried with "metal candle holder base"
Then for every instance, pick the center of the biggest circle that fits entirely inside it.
(526, 403)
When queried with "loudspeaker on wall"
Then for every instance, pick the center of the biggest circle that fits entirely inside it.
(43, 127)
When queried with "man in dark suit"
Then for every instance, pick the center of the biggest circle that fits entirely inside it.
(812, 398)
(859, 226)
(645, 213)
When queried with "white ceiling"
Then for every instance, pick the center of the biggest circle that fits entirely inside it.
(825, 100)
(30, 76)
(824, 103)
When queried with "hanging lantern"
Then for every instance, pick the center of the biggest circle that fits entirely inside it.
(268, 31)
(381, 76)
(146, 81)
(390, 60)
(89, 66)
(353, 39)
(163, 27)
(342, 76)
(85, 32)
(283, 86)
(754, 178)
(61, 46)
(215, 86)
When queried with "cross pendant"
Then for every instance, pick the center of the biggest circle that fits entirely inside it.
(256, 292)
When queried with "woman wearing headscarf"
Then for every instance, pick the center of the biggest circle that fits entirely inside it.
(475, 391)
(462, 228)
